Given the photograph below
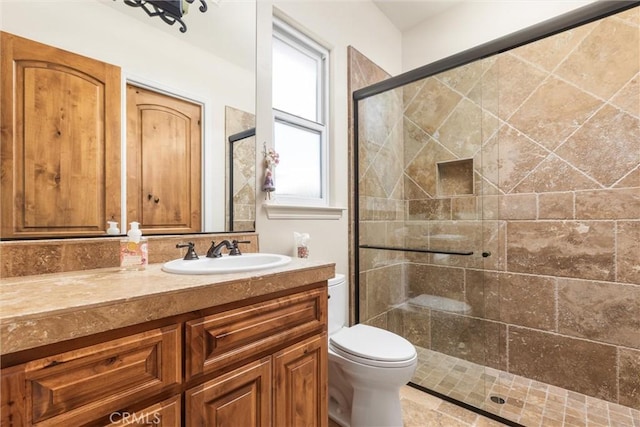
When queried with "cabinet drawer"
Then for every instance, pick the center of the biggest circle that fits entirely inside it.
(162, 414)
(82, 385)
(216, 341)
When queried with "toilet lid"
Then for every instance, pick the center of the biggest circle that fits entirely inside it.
(374, 344)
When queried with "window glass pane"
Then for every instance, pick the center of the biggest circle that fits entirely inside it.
(298, 173)
(294, 81)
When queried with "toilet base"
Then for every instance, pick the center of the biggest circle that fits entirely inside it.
(380, 408)
(337, 415)
(370, 408)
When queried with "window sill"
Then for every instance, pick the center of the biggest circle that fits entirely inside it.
(276, 211)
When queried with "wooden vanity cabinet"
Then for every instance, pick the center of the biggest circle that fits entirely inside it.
(290, 333)
(79, 386)
(259, 364)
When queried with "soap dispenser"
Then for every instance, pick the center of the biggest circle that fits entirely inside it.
(113, 228)
(133, 249)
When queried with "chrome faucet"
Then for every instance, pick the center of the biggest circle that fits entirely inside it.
(215, 251)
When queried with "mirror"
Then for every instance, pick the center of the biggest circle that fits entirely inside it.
(212, 63)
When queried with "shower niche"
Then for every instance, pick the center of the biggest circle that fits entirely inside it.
(455, 178)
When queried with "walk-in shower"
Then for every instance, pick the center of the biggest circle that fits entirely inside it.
(496, 219)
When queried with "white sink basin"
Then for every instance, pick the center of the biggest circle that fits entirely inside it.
(226, 264)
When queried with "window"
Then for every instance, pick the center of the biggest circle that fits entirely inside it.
(300, 92)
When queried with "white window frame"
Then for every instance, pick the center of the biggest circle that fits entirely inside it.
(303, 43)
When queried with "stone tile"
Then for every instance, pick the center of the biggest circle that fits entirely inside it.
(516, 82)
(389, 169)
(610, 64)
(547, 53)
(414, 139)
(581, 249)
(363, 72)
(414, 324)
(461, 133)
(629, 365)
(556, 205)
(574, 364)
(606, 147)
(462, 79)
(432, 209)
(518, 206)
(384, 289)
(433, 280)
(482, 290)
(608, 204)
(476, 340)
(27, 258)
(631, 180)
(85, 255)
(514, 299)
(527, 300)
(553, 175)
(628, 99)
(422, 169)
(547, 117)
(628, 252)
(509, 157)
(432, 105)
(465, 208)
(412, 191)
(599, 311)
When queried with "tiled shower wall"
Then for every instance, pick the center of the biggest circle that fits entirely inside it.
(244, 169)
(552, 133)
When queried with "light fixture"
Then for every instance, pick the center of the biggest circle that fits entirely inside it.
(170, 11)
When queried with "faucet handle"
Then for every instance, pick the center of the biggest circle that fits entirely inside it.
(234, 247)
(191, 251)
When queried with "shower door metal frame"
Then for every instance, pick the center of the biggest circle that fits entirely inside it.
(567, 21)
(589, 13)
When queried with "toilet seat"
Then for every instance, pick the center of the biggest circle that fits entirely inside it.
(373, 347)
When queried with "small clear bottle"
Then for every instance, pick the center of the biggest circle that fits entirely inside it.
(134, 250)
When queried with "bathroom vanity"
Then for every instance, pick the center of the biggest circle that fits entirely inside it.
(111, 347)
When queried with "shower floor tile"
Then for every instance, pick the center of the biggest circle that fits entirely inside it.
(528, 402)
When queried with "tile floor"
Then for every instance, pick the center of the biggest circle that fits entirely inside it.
(424, 410)
(528, 402)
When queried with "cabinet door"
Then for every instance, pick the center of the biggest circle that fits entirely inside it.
(60, 121)
(88, 384)
(300, 384)
(240, 398)
(164, 184)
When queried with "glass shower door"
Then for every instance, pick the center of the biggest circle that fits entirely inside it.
(427, 225)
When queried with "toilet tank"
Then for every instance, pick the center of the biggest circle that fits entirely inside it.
(338, 303)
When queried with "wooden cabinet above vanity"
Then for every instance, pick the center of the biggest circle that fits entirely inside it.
(61, 124)
(61, 148)
(235, 349)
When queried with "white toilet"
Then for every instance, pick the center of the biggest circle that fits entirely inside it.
(367, 367)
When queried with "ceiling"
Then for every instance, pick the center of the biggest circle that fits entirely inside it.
(406, 14)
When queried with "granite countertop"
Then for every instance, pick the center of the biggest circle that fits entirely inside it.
(44, 309)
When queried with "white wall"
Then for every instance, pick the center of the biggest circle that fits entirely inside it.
(336, 25)
(473, 23)
(147, 54)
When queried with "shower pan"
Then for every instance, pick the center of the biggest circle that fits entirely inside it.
(487, 224)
